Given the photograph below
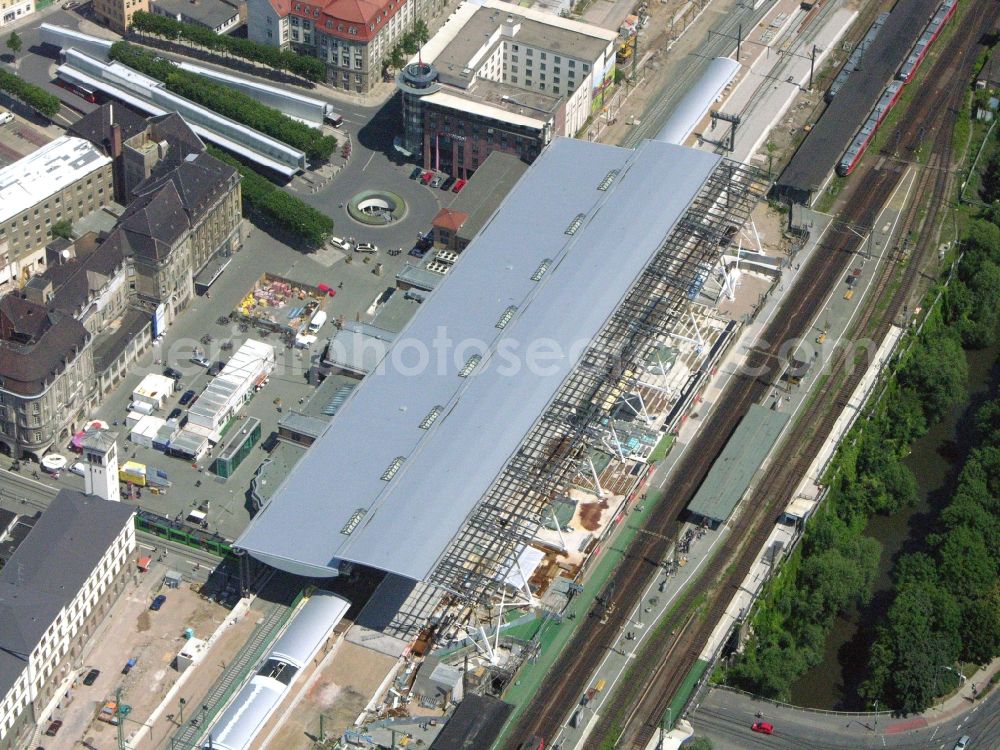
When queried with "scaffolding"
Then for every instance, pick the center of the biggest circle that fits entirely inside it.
(473, 568)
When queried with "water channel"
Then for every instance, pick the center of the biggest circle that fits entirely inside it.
(935, 460)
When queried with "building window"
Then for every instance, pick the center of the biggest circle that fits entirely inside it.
(586, 68)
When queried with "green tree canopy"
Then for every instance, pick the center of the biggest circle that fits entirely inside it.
(14, 42)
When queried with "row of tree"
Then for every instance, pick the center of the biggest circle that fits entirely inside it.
(308, 67)
(833, 570)
(37, 98)
(264, 199)
(408, 44)
(946, 606)
(227, 102)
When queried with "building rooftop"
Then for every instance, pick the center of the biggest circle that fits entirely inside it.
(35, 344)
(95, 126)
(732, 471)
(475, 29)
(554, 269)
(489, 185)
(476, 723)
(47, 570)
(48, 170)
(211, 13)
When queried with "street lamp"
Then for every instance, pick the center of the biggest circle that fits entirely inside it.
(876, 717)
(181, 703)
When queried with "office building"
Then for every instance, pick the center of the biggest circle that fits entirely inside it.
(66, 179)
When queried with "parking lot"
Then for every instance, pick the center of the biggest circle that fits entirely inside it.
(153, 639)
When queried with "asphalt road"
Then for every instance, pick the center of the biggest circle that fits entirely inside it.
(725, 717)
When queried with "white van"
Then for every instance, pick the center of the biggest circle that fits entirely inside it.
(143, 407)
(5, 117)
(317, 321)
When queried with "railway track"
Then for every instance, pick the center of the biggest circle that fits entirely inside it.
(951, 72)
(728, 568)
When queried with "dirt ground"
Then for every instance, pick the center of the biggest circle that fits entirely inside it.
(132, 630)
(339, 689)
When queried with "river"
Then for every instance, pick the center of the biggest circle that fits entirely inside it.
(935, 460)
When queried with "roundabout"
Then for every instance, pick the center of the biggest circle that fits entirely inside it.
(376, 208)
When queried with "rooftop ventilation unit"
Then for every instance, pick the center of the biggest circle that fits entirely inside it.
(390, 472)
(507, 315)
(431, 418)
(606, 182)
(470, 365)
(575, 224)
(542, 268)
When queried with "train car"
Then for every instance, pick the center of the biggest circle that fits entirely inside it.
(860, 143)
(931, 32)
(854, 61)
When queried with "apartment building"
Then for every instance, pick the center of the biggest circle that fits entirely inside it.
(72, 332)
(46, 376)
(54, 591)
(117, 14)
(11, 10)
(353, 37)
(66, 179)
(498, 77)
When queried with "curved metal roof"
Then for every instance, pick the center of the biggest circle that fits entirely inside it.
(310, 628)
(245, 716)
(698, 100)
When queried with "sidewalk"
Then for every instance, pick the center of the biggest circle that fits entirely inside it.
(962, 700)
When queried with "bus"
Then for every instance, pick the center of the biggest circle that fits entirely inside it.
(85, 93)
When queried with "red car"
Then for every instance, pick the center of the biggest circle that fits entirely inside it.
(458, 186)
(763, 727)
(426, 177)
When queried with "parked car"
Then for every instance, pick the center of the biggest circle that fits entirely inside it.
(367, 247)
(201, 359)
(340, 244)
(425, 242)
(173, 374)
(426, 177)
(188, 398)
(417, 171)
(459, 184)
(54, 728)
(216, 368)
(963, 742)
(79, 468)
(175, 413)
(158, 602)
(437, 181)
(763, 727)
(446, 185)
(91, 677)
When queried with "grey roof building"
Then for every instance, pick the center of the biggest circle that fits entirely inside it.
(470, 425)
(49, 589)
(218, 15)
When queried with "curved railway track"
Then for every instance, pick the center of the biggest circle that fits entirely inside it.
(681, 641)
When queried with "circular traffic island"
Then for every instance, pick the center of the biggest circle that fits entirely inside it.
(376, 208)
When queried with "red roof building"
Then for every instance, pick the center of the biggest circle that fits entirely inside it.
(352, 36)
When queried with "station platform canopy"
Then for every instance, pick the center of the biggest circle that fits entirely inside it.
(730, 475)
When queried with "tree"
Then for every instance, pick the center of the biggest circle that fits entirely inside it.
(981, 628)
(409, 43)
(937, 371)
(14, 42)
(420, 32)
(63, 228)
(38, 99)
(227, 102)
(965, 566)
(698, 743)
(396, 58)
